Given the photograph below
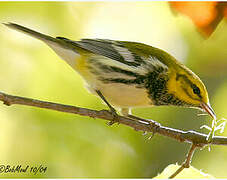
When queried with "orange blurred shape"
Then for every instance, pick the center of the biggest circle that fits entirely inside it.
(205, 14)
(225, 12)
(202, 13)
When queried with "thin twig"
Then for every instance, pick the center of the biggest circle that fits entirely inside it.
(144, 125)
(187, 161)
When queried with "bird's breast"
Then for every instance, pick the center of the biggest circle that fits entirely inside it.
(125, 96)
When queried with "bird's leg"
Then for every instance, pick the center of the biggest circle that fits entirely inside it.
(113, 111)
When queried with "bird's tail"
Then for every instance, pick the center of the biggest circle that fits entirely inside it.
(66, 50)
(30, 32)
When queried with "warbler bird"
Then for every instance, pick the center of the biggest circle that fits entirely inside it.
(129, 74)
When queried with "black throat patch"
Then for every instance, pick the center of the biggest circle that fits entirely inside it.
(156, 85)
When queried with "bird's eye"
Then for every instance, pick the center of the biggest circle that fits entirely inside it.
(196, 90)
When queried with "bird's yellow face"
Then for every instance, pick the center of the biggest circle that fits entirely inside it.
(187, 87)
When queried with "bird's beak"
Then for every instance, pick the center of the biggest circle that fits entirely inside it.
(208, 109)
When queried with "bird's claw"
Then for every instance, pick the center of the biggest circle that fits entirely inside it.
(115, 115)
(154, 125)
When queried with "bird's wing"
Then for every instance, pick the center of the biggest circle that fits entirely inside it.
(129, 53)
(112, 49)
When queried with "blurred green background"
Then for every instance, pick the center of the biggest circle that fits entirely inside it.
(76, 146)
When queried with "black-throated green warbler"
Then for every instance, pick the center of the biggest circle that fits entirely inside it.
(129, 74)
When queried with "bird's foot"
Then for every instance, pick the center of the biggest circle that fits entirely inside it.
(154, 125)
(115, 117)
(112, 110)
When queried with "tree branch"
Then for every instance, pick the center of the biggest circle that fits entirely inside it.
(144, 125)
(187, 161)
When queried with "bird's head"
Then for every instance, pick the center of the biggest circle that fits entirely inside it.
(188, 88)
